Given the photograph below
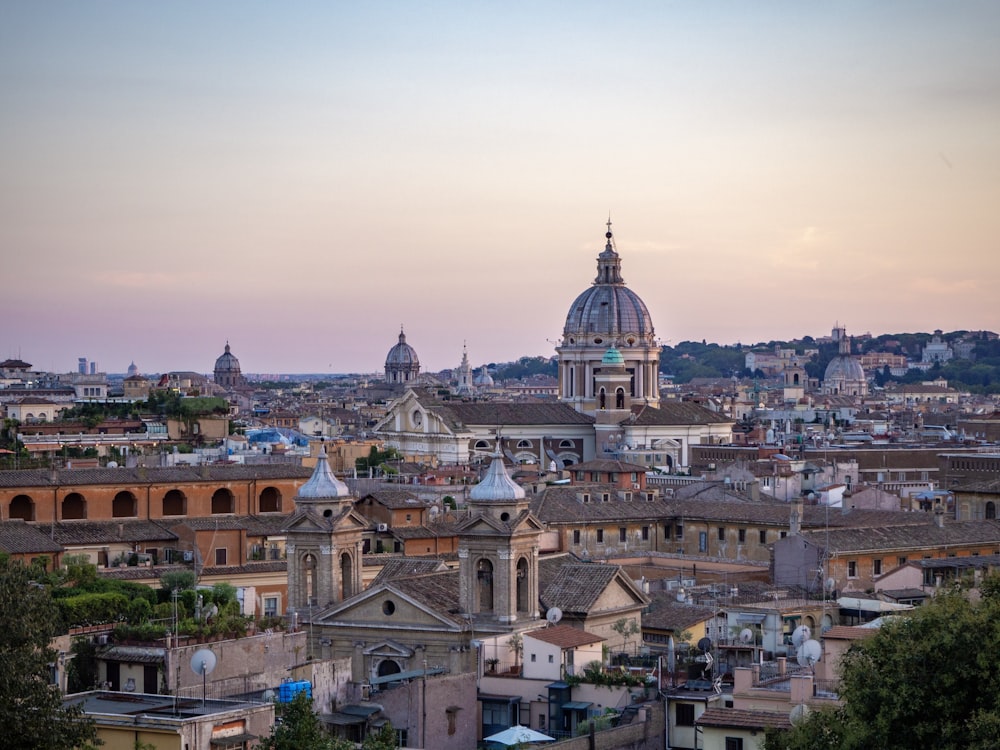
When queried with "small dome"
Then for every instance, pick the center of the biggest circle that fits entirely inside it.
(612, 357)
(496, 484)
(484, 378)
(323, 483)
(402, 354)
(227, 362)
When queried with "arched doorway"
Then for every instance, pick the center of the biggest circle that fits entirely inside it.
(387, 667)
(22, 507)
(620, 398)
(124, 505)
(602, 399)
(222, 501)
(346, 576)
(484, 580)
(74, 507)
(270, 500)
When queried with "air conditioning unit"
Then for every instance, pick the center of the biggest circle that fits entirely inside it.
(635, 485)
(383, 527)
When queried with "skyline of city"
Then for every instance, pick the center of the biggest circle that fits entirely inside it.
(302, 182)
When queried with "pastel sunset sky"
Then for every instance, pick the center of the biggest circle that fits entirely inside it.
(302, 178)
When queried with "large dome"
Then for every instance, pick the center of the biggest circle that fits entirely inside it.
(402, 354)
(608, 310)
(844, 368)
(227, 362)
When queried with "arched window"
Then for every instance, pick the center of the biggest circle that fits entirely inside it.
(387, 667)
(346, 576)
(566, 444)
(523, 443)
(174, 503)
(74, 506)
(270, 500)
(482, 445)
(602, 399)
(124, 505)
(22, 507)
(522, 585)
(484, 580)
(620, 398)
(309, 580)
(222, 501)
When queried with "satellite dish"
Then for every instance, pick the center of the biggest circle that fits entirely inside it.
(554, 615)
(746, 635)
(831, 583)
(705, 644)
(203, 661)
(800, 635)
(798, 713)
(809, 653)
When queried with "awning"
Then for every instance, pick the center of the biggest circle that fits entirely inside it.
(233, 739)
(487, 698)
(558, 685)
(355, 709)
(577, 705)
(341, 719)
(411, 674)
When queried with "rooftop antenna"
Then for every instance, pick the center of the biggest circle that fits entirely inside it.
(203, 661)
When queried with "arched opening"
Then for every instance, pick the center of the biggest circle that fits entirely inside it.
(346, 576)
(124, 505)
(387, 667)
(222, 501)
(522, 585)
(22, 507)
(602, 399)
(991, 509)
(484, 581)
(795, 379)
(620, 398)
(270, 500)
(74, 507)
(309, 580)
(174, 503)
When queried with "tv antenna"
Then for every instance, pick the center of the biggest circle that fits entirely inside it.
(203, 661)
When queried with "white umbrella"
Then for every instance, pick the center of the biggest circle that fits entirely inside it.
(517, 735)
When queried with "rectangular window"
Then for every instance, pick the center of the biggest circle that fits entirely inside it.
(763, 536)
(533, 657)
(576, 536)
(852, 569)
(668, 531)
(722, 533)
(685, 714)
(606, 497)
(703, 541)
(645, 533)
(552, 659)
(901, 560)
(784, 534)
(734, 743)
(600, 536)
(622, 534)
(876, 567)
(680, 531)
(270, 606)
(220, 556)
(742, 534)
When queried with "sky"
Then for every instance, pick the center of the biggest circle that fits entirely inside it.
(301, 179)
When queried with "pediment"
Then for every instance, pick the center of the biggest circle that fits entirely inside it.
(483, 524)
(388, 648)
(351, 521)
(306, 520)
(386, 607)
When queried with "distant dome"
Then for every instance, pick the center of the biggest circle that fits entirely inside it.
(227, 362)
(484, 378)
(401, 363)
(844, 368)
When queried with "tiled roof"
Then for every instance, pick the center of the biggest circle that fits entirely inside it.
(559, 504)
(575, 587)
(424, 532)
(158, 475)
(70, 533)
(848, 633)
(393, 498)
(853, 540)
(437, 591)
(609, 465)
(666, 613)
(991, 486)
(18, 537)
(674, 413)
(407, 566)
(253, 525)
(743, 719)
(564, 636)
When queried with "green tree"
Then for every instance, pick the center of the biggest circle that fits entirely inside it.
(383, 739)
(626, 628)
(926, 680)
(300, 729)
(31, 709)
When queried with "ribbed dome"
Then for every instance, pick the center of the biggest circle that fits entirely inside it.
(323, 483)
(496, 484)
(227, 362)
(402, 354)
(844, 368)
(608, 309)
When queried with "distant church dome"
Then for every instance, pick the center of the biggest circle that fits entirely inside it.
(227, 370)
(844, 375)
(132, 370)
(401, 363)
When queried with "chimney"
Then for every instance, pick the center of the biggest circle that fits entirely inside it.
(939, 515)
(795, 517)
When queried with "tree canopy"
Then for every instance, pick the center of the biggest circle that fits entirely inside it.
(926, 680)
(299, 728)
(31, 709)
